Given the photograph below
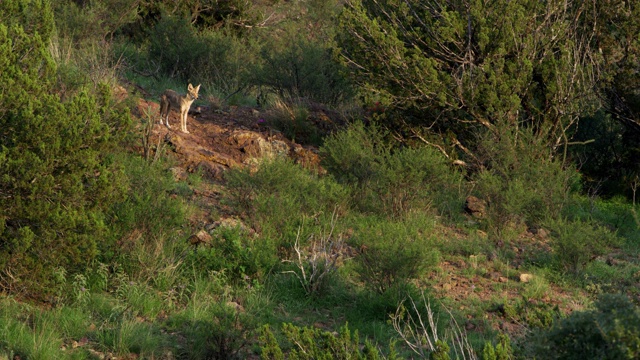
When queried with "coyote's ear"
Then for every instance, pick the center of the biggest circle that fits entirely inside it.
(198, 87)
(190, 87)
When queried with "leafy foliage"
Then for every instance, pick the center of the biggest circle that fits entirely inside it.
(280, 194)
(610, 331)
(177, 49)
(521, 182)
(313, 343)
(390, 181)
(457, 66)
(57, 179)
(575, 243)
(502, 350)
(304, 69)
(148, 207)
(393, 252)
(235, 253)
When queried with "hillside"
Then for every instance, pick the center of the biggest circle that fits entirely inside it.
(361, 179)
(239, 137)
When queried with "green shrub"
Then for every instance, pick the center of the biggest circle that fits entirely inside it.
(502, 350)
(575, 243)
(522, 181)
(313, 343)
(418, 178)
(614, 213)
(209, 56)
(235, 253)
(57, 178)
(387, 180)
(149, 205)
(393, 252)
(213, 330)
(303, 69)
(533, 314)
(610, 331)
(174, 44)
(85, 22)
(280, 195)
(352, 155)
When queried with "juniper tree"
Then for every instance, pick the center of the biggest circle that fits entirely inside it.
(462, 67)
(55, 176)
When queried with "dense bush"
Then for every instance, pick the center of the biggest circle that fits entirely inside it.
(83, 22)
(303, 69)
(234, 253)
(280, 195)
(392, 253)
(522, 181)
(313, 343)
(575, 243)
(459, 68)
(179, 50)
(352, 155)
(388, 180)
(56, 176)
(148, 208)
(610, 331)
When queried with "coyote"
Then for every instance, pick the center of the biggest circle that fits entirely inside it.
(171, 99)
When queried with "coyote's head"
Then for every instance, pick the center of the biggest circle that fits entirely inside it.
(193, 91)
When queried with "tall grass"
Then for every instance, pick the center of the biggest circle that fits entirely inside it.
(28, 332)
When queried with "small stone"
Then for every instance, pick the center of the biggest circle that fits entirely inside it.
(502, 279)
(202, 237)
(525, 278)
(475, 207)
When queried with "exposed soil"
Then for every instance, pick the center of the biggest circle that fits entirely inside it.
(218, 140)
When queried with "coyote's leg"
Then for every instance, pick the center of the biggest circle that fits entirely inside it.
(183, 120)
(165, 109)
(168, 111)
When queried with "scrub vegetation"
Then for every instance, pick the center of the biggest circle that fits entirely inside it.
(474, 193)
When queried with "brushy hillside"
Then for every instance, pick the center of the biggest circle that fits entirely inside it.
(362, 179)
